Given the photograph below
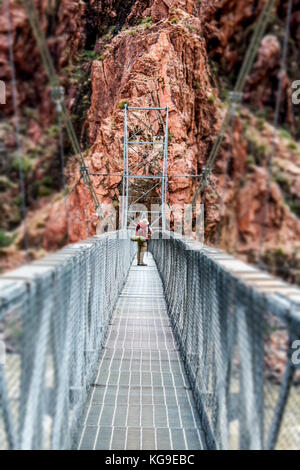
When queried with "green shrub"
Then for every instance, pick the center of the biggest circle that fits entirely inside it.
(147, 20)
(293, 146)
(122, 104)
(53, 130)
(282, 180)
(88, 55)
(254, 146)
(212, 98)
(261, 151)
(78, 74)
(40, 224)
(224, 94)
(197, 85)
(261, 114)
(261, 124)
(34, 153)
(174, 20)
(284, 133)
(29, 112)
(5, 183)
(5, 240)
(44, 191)
(18, 201)
(250, 160)
(170, 137)
(47, 181)
(26, 164)
(86, 99)
(294, 205)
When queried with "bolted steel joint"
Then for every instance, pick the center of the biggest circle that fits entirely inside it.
(235, 97)
(206, 172)
(84, 169)
(57, 94)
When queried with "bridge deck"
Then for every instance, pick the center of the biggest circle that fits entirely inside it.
(141, 398)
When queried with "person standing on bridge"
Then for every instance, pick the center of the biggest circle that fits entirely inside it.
(142, 230)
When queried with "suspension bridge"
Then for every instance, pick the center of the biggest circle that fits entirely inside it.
(103, 354)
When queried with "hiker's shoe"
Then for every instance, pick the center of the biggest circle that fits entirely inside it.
(143, 264)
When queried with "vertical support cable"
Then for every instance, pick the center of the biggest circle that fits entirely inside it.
(84, 172)
(244, 72)
(58, 94)
(63, 179)
(124, 169)
(54, 80)
(235, 98)
(165, 172)
(287, 382)
(276, 124)
(17, 129)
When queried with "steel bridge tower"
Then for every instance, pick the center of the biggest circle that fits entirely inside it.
(145, 165)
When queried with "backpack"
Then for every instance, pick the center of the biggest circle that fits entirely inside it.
(142, 231)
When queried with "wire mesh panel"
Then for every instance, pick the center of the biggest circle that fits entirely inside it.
(53, 320)
(141, 398)
(237, 340)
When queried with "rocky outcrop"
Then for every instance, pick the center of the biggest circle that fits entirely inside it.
(63, 22)
(267, 70)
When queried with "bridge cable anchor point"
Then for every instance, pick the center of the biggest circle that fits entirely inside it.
(236, 96)
(57, 95)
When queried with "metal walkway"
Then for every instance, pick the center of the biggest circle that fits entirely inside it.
(142, 398)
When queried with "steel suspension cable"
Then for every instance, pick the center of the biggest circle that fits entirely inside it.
(221, 209)
(84, 171)
(17, 130)
(254, 45)
(244, 72)
(276, 124)
(58, 95)
(55, 81)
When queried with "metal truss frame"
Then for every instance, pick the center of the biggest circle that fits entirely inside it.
(131, 174)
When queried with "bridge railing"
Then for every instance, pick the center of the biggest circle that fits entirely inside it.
(236, 335)
(54, 315)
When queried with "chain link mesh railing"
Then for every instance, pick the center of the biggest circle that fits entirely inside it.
(54, 315)
(236, 343)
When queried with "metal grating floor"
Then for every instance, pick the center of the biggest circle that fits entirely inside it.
(142, 398)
